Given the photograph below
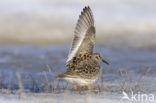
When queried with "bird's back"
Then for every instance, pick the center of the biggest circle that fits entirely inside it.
(84, 66)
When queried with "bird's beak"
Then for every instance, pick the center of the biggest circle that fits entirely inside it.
(105, 61)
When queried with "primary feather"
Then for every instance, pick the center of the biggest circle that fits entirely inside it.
(84, 35)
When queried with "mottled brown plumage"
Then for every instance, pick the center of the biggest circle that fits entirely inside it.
(83, 66)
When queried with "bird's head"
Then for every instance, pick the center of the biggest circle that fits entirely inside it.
(99, 58)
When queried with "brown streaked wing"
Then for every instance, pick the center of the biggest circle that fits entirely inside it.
(84, 35)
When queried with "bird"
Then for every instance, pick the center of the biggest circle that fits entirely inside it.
(83, 65)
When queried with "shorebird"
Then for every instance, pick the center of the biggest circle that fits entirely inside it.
(83, 66)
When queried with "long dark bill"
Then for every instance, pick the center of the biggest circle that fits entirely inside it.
(105, 61)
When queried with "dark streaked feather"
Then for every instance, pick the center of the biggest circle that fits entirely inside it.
(84, 35)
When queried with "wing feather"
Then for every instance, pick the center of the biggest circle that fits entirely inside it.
(84, 34)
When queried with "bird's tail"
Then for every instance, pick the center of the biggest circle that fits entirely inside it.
(60, 76)
(65, 75)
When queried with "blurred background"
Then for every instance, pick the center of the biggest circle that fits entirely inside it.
(52, 22)
(35, 37)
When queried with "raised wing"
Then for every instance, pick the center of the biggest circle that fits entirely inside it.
(84, 35)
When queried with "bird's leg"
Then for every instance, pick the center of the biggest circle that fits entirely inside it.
(79, 89)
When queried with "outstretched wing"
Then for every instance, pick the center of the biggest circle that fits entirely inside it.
(84, 35)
